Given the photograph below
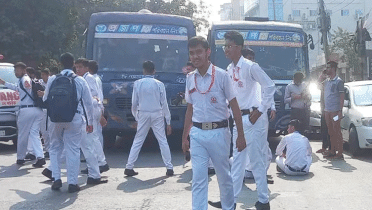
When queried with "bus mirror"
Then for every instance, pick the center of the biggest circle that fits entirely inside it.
(312, 46)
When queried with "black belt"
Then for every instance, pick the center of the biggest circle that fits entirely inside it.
(294, 170)
(248, 111)
(27, 106)
(211, 125)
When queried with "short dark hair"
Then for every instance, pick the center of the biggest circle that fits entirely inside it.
(20, 65)
(235, 36)
(298, 75)
(30, 70)
(67, 60)
(93, 66)
(295, 123)
(333, 64)
(247, 51)
(198, 40)
(37, 74)
(83, 61)
(45, 71)
(148, 66)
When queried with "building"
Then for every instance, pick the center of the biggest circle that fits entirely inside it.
(226, 12)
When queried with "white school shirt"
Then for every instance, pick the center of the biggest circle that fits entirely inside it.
(26, 81)
(149, 95)
(212, 106)
(251, 82)
(82, 90)
(298, 151)
(100, 89)
(93, 87)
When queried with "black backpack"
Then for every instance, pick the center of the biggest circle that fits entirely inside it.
(36, 86)
(62, 98)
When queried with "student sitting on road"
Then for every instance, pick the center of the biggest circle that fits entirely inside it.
(297, 158)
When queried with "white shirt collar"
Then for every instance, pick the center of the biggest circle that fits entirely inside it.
(209, 71)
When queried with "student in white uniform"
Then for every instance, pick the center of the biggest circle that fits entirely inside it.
(68, 135)
(44, 132)
(29, 117)
(208, 93)
(250, 81)
(90, 145)
(149, 108)
(297, 158)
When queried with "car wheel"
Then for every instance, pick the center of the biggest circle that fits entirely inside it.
(354, 142)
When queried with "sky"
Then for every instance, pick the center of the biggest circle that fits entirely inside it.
(215, 7)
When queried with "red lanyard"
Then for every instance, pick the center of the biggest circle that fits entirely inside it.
(234, 78)
(212, 81)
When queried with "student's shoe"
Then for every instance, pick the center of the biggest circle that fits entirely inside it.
(130, 172)
(84, 171)
(104, 168)
(30, 156)
(39, 163)
(73, 188)
(211, 171)
(20, 162)
(57, 184)
(170, 172)
(48, 173)
(215, 204)
(260, 206)
(90, 180)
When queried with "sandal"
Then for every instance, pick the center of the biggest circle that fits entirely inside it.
(320, 151)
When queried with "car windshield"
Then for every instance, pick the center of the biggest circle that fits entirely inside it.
(7, 74)
(129, 54)
(363, 95)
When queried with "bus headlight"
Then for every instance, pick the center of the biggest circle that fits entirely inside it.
(105, 101)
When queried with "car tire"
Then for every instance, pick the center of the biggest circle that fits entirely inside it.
(354, 148)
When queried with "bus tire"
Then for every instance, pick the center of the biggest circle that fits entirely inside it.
(109, 139)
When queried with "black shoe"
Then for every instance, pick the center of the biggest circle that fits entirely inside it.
(48, 173)
(215, 204)
(170, 172)
(46, 155)
(130, 172)
(73, 188)
(84, 171)
(39, 163)
(260, 206)
(21, 162)
(211, 171)
(104, 168)
(187, 156)
(90, 180)
(57, 184)
(30, 157)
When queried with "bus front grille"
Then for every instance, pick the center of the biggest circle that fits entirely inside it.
(123, 103)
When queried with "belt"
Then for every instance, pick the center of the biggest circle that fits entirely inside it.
(27, 106)
(248, 111)
(211, 125)
(294, 170)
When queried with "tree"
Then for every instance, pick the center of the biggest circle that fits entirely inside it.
(343, 44)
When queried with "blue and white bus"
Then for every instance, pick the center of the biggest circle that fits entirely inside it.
(120, 42)
(281, 49)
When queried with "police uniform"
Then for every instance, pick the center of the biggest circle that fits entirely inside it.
(150, 107)
(28, 121)
(210, 134)
(68, 135)
(248, 80)
(91, 146)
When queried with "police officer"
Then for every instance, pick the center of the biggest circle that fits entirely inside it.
(250, 81)
(149, 108)
(69, 135)
(91, 146)
(29, 117)
(208, 89)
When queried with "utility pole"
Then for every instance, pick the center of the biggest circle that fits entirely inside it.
(325, 25)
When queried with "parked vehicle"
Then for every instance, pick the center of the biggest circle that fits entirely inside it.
(9, 105)
(315, 109)
(356, 125)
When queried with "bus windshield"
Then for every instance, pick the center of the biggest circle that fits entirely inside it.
(280, 60)
(127, 50)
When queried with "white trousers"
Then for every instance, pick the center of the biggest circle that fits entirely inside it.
(44, 131)
(269, 156)
(147, 120)
(280, 161)
(215, 145)
(88, 144)
(66, 136)
(97, 144)
(257, 147)
(28, 124)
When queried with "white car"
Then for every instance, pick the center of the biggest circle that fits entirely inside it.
(356, 125)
